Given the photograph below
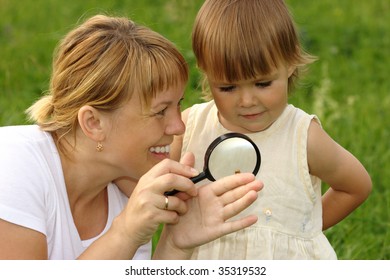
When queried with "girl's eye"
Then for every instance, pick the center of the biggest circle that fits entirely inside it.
(227, 88)
(264, 84)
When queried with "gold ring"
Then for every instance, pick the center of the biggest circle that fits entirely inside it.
(166, 203)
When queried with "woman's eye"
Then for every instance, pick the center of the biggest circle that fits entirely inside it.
(162, 112)
(180, 102)
(264, 84)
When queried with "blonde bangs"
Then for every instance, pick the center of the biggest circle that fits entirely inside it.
(256, 37)
(161, 71)
(142, 62)
(235, 60)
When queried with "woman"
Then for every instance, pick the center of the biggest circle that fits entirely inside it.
(111, 113)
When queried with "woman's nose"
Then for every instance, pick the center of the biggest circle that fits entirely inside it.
(175, 125)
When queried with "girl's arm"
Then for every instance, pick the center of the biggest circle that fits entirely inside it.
(349, 182)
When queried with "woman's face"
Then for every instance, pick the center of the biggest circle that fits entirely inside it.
(140, 136)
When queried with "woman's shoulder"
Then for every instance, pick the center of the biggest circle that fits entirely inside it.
(30, 170)
(26, 150)
(18, 134)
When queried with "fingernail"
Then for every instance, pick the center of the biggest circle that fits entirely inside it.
(194, 171)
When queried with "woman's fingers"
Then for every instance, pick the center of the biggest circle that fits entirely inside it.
(173, 203)
(169, 209)
(168, 217)
(169, 182)
(229, 183)
(232, 209)
(237, 199)
(229, 227)
(170, 175)
(188, 159)
(238, 192)
(170, 166)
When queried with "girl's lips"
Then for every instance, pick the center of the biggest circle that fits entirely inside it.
(252, 116)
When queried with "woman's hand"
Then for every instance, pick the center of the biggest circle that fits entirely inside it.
(208, 212)
(145, 211)
(146, 208)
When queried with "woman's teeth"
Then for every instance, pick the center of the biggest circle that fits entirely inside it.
(160, 150)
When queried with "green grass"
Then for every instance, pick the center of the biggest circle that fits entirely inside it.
(347, 87)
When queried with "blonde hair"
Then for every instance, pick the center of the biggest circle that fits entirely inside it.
(243, 39)
(102, 63)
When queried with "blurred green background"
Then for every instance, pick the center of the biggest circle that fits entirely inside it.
(348, 87)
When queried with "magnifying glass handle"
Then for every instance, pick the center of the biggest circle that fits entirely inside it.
(195, 180)
(198, 178)
(170, 193)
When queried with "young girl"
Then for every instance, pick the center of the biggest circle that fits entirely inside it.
(250, 55)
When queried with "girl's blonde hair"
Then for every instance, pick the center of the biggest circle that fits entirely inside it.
(102, 63)
(243, 39)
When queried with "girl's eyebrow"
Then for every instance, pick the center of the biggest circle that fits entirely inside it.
(267, 77)
(270, 76)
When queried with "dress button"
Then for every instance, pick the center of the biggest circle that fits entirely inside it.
(268, 214)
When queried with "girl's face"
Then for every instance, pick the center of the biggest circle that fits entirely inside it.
(251, 105)
(140, 136)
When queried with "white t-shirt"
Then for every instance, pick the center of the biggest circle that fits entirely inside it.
(33, 192)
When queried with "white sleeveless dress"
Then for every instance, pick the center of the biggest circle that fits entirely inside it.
(289, 206)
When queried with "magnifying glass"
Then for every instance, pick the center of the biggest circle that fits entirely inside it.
(228, 154)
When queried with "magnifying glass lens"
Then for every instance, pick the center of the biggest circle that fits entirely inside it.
(233, 155)
(229, 154)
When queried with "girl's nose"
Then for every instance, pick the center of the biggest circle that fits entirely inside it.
(247, 98)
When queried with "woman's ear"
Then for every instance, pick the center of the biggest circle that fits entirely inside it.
(92, 123)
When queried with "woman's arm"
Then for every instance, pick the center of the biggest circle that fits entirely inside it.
(145, 211)
(21, 243)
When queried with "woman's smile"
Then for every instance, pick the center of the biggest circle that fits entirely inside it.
(161, 152)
